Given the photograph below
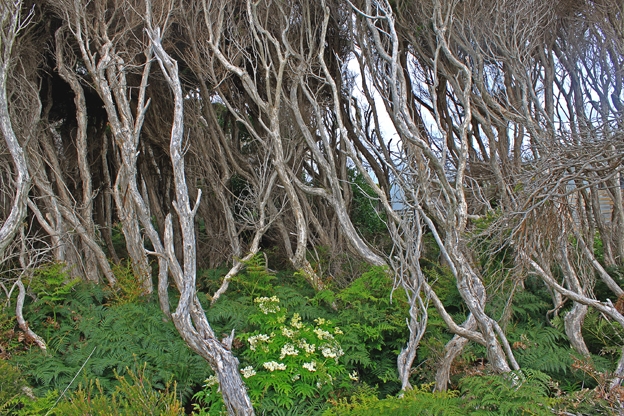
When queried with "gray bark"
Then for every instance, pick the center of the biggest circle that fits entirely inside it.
(86, 210)
(189, 317)
(573, 320)
(417, 325)
(618, 215)
(10, 24)
(23, 324)
(108, 71)
(452, 349)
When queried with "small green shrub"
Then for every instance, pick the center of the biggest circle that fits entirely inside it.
(128, 289)
(288, 362)
(51, 286)
(11, 385)
(515, 393)
(39, 406)
(256, 279)
(9, 338)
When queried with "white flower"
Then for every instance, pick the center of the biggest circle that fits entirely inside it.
(320, 321)
(338, 331)
(332, 352)
(211, 381)
(287, 332)
(255, 339)
(295, 322)
(311, 366)
(248, 371)
(322, 334)
(268, 305)
(328, 352)
(272, 366)
(354, 376)
(308, 348)
(288, 349)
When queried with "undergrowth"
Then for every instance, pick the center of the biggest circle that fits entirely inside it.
(109, 347)
(93, 333)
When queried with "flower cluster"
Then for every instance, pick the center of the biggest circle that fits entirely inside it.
(322, 334)
(321, 321)
(268, 305)
(287, 355)
(272, 366)
(295, 322)
(332, 352)
(287, 332)
(255, 339)
(211, 381)
(248, 371)
(311, 366)
(288, 349)
(308, 348)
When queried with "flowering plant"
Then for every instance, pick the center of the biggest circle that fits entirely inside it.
(289, 362)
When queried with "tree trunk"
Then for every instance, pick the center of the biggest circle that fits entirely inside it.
(573, 321)
(417, 326)
(10, 25)
(189, 317)
(452, 349)
(473, 293)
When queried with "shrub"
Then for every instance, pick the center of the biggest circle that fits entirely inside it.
(287, 363)
(11, 385)
(523, 392)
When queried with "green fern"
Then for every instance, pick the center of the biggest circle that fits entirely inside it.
(374, 328)
(517, 393)
(542, 348)
(603, 336)
(419, 401)
(256, 279)
(125, 335)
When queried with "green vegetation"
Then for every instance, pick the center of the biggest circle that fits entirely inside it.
(331, 352)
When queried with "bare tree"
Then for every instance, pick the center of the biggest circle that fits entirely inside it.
(274, 60)
(110, 52)
(441, 170)
(189, 317)
(11, 23)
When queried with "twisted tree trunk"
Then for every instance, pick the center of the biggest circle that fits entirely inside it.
(189, 317)
(10, 25)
